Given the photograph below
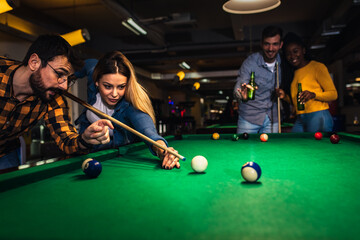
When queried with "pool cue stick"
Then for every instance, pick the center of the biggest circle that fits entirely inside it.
(93, 109)
(278, 98)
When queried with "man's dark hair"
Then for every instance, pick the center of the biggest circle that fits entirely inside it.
(49, 46)
(271, 31)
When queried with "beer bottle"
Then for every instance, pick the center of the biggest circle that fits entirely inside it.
(300, 105)
(251, 91)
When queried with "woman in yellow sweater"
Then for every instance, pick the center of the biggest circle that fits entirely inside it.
(317, 88)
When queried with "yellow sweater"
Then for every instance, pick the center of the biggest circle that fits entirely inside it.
(315, 78)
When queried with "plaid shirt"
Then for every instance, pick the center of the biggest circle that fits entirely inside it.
(17, 118)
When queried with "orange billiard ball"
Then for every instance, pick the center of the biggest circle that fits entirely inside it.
(215, 136)
(264, 137)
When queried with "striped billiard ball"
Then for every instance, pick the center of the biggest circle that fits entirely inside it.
(264, 137)
(91, 168)
(334, 138)
(235, 137)
(251, 172)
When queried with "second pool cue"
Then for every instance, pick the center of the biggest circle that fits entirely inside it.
(278, 98)
(100, 113)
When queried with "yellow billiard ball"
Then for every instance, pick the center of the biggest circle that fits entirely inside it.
(215, 136)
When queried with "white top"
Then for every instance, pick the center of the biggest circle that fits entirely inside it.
(99, 104)
(271, 66)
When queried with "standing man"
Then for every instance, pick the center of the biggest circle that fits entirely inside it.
(31, 90)
(260, 115)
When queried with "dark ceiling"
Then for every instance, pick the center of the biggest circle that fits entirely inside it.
(213, 42)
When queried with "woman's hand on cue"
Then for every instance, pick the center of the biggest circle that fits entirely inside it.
(169, 161)
(98, 132)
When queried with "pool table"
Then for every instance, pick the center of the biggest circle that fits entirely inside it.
(309, 189)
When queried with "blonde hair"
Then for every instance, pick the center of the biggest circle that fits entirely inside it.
(116, 62)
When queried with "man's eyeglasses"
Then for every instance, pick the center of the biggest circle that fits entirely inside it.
(62, 77)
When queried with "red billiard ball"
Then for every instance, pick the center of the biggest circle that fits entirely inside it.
(334, 138)
(318, 136)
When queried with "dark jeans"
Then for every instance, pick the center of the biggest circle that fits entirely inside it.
(10, 160)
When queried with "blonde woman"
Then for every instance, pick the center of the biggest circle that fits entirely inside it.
(114, 90)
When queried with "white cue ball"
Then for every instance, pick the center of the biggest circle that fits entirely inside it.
(199, 164)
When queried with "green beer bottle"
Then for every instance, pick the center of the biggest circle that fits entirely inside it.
(300, 105)
(251, 91)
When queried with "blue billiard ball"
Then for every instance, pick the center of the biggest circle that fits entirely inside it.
(251, 171)
(91, 168)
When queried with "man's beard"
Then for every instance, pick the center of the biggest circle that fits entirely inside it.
(38, 88)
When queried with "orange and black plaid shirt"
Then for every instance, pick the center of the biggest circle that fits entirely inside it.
(17, 118)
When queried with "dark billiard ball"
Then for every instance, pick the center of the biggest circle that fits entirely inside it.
(245, 136)
(235, 137)
(91, 168)
(334, 138)
(318, 135)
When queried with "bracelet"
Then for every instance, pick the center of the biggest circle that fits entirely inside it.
(85, 144)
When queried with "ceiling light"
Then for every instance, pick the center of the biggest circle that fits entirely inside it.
(223, 101)
(6, 5)
(179, 76)
(205, 80)
(77, 37)
(330, 33)
(133, 26)
(184, 65)
(250, 6)
(318, 46)
(196, 86)
(349, 85)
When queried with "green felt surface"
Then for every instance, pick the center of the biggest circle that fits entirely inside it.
(309, 189)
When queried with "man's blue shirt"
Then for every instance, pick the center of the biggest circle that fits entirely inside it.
(254, 111)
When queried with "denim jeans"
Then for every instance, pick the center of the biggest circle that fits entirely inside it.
(266, 127)
(11, 159)
(320, 121)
